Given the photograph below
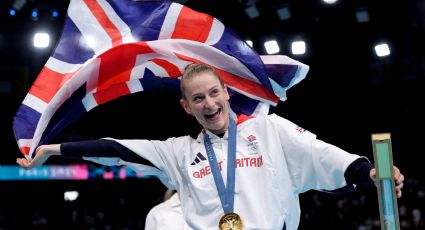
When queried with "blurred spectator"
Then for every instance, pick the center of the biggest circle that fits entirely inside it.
(166, 215)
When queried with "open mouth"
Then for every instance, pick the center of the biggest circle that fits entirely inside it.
(214, 115)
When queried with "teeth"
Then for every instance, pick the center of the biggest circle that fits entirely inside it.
(211, 113)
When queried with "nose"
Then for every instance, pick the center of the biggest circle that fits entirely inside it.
(209, 102)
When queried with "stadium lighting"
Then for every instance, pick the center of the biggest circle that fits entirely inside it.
(41, 40)
(382, 50)
(70, 195)
(252, 11)
(12, 12)
(271, 47)
(34, 14)
(362, 16)
(298, 47)
(55, 13)
(249, 42)
(330, 1)
(283, 13)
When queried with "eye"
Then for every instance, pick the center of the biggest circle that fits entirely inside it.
(214, 92)
(197, 99)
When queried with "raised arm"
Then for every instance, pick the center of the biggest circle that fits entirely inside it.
(83, 149)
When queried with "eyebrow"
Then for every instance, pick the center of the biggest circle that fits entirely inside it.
(209, 90)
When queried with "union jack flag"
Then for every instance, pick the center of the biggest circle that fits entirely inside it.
(118, 47)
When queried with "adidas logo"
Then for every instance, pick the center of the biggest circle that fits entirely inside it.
(199, 157)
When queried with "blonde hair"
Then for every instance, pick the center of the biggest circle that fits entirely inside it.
(169, 193)
(193, 70)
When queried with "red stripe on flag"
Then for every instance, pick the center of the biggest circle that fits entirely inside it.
(172, 70)
(117, 63)
(246, 85)
(242, 118)
(111, 93)
(48, 83)
(104, 21)
(25, 150)
(240, 83)
(192, 25)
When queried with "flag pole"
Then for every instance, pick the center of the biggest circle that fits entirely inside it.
(388, 209)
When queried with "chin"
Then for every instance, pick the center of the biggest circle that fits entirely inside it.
(218, 129)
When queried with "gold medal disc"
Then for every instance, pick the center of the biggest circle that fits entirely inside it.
(230, 221)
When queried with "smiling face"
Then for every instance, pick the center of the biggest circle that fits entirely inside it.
(206, 98)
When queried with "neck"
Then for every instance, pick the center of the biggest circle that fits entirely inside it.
(221, 135)
(218, 132)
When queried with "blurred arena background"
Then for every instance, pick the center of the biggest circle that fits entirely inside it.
(350, 92)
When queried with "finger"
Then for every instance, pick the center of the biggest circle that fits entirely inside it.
(400, 186)
(373, 172)
(398, 191)
(399, 179)
(24, 162)
(21, 162)
(396, 172)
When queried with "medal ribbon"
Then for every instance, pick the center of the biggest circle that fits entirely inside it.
(226, 193)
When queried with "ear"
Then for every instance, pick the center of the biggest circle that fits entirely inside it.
(227, 96)
(185, 106)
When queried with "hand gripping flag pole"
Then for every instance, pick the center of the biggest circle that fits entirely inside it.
(383, 157)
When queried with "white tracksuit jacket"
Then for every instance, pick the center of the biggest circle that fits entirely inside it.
(275, 161)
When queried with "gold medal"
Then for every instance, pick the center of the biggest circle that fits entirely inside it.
(230, 221)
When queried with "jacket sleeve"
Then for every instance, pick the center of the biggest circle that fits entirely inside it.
(148, 157)
(101, 148)
(312, 163)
